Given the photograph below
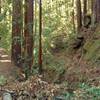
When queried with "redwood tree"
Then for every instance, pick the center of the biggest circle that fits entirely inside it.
(95, 10)
(92, 2)
(84, 10)
(16, 31)
(28, 32)
(79, 15)
(98, 10)
(73, 17)
(40, 38)
(0, 6)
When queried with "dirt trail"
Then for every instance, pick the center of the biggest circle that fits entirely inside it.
(6, 66)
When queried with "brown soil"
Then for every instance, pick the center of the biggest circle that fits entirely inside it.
(6, 66)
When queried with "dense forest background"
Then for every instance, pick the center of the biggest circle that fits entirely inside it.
(56, 41)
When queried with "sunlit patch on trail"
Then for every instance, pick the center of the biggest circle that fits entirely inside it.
(4, 56)
(3, 61)
(1, 49)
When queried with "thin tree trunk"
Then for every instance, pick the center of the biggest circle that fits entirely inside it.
(79, 15)
(40, 37)
(35, 17)
(93, 16)
(95, 10)
(98, 10)
(28, 32)
(84, 10)
(92, 2)
(0, 6)
(16, 31)
(73, 17)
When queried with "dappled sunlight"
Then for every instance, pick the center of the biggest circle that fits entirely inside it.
(4, 56)
(6, 65)
(5, 61)
(1, 49)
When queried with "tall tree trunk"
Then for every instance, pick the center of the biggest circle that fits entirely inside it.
(84, 10)
(95, 10)
(16, 31)
(28, 32)
(79, 15)
(0, 6)
(40, 37)
(98, 10)
(92, 2)
(35, 17)
(73, 17)
(93, 16)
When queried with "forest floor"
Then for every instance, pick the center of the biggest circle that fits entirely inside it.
(79, 79)
(30, 89)
(6, 66)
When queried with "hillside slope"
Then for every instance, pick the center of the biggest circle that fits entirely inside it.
(77, 65)
(92, 47)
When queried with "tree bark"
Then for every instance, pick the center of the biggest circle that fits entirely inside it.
(0, 6)
(73, 17)
(40, 37)
(92, 2)
(16, 31)
(28, 32)
(98, 10)
(79, 15)
(93, 13)
(84, 10)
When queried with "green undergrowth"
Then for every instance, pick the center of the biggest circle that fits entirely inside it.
(3, 80)
(92, 48)
(83, 92)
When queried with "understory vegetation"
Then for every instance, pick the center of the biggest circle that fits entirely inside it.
(66, 52)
